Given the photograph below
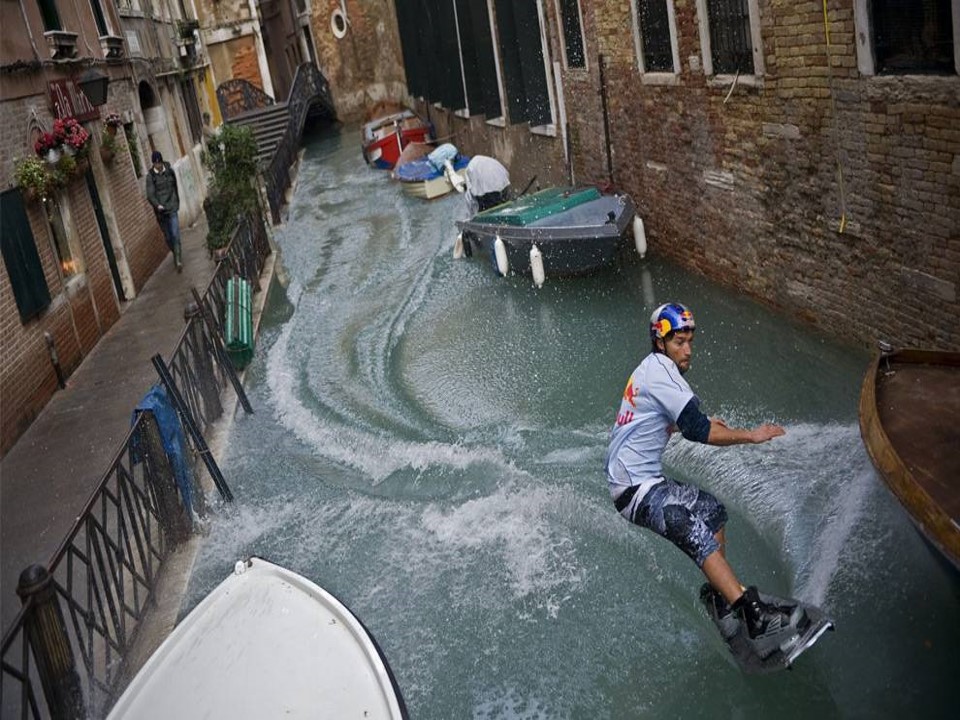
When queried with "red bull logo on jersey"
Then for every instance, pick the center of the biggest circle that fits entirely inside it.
(629, 393)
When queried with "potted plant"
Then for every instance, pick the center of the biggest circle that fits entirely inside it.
(32, 177)
(112, 121)
(47, 146)
(72, 135)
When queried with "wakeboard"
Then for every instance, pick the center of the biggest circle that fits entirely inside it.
(810, 628)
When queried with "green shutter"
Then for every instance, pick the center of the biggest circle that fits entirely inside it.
(21, 258)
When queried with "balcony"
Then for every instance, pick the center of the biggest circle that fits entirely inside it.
(62, 44)
(112, 47)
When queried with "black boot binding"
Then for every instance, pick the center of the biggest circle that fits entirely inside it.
(768, 625)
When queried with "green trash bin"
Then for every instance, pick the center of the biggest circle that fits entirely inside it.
(238, 328)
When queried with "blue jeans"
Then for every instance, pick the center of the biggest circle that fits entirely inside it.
(170, 223)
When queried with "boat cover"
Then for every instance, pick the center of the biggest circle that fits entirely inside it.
(485, 175)
(531, 208)
(422, 170)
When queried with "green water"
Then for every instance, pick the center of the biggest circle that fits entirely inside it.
(428, 444)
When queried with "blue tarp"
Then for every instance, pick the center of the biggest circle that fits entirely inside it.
(171, 434)
(423, 169)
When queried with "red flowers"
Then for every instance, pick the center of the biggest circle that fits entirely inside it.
(66, 132)
(45, 142)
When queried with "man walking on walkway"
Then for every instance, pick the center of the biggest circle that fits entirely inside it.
(163, 195)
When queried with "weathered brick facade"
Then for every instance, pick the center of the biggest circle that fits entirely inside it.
(85, 306)
(741, 181)
(366, 65)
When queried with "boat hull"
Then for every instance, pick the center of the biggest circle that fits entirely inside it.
(909, 405)
(384, 139)
(567, 248)
(265, 643)
(420, 179)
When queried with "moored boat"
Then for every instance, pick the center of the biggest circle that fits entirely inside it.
(265, 643)
(385, 137)
(420, 178)
(433, 175)
(555, 232)
(910, 423)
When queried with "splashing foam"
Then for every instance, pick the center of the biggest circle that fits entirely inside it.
(520, 524)
(808, 489)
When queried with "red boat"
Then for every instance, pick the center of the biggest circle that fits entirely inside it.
(385, 137)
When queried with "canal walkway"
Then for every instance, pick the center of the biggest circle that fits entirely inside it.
(50, 473)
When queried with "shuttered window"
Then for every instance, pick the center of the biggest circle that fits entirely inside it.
(654, 21)
(21, 258)
(431, 55)
(479, 66)
(521, 59)
(730, 47)
(913, 36)
(572, 33)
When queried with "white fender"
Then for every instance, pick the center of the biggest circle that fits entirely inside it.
(536, 266)
(500, 252)
(639, 236)
(458, 247)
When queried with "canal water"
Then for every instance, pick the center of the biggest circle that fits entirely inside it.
(428, 443)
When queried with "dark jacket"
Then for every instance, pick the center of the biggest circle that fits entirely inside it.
(162, 189)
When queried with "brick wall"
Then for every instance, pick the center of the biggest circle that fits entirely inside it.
(86, 306)
(246, 66)
(743, 186)
(366, 65)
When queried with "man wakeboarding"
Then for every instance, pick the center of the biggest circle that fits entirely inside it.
(658, 401)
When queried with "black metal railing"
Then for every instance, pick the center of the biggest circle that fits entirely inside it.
(238, 96)
(310, 89)
(65, 651)
(84, 607)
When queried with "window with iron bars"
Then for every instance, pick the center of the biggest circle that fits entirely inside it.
(656, 48)
(731, 49)
(572, 33)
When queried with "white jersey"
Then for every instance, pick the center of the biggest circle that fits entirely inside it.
(655, 396)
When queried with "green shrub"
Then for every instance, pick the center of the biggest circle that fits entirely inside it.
(231, 157)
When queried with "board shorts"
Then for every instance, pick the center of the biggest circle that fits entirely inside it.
(683, 514)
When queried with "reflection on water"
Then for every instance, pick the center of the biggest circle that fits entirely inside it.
(428, 443)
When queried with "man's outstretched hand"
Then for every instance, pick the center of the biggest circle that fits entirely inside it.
(763, 433)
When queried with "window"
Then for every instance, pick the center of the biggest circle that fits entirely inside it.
(21, 258)
(69, 266)
(730, 48)
(913, 36)
(476, 53)
(431, 55)
(656, 36)
(189, 94)
(572, 33)
(99, 18)
(51, 18)
(522, 62)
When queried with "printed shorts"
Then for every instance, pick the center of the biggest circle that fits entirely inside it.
(684, 514)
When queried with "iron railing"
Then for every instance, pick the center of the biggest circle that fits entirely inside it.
(310, 89)
(238, 96)
(65, 651)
